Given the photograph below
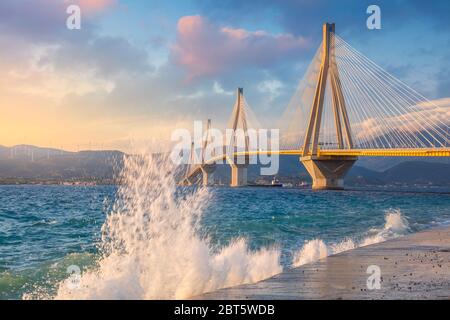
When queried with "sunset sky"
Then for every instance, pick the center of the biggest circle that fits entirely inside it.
(138, 69)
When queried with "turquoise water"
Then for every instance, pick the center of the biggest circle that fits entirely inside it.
(44, 229)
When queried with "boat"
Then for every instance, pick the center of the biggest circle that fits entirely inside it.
(303, 184)
(274, 183)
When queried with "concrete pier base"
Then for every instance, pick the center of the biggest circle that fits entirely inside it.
(328, 173)
(208, 174)
(238, 175)
(186, 182)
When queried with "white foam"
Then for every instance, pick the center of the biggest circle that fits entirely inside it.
(151, 245)
(395, 225)
(395, 222)
(311, 251)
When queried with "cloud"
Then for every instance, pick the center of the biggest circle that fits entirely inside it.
(36, 21)
(272, 87)
(299, 17)
(35, 38)
(217, 88)
(305, 16)
(94, 6)
(56, 81)
(426, 121)
(205, 49)
(44, 21)
(94, 80)
(103, 56)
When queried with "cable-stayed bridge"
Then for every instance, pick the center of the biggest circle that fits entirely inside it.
(345, 107)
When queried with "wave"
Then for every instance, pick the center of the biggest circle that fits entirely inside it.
(395, 225)
(151, 248)
(44, 222)
(38, 282)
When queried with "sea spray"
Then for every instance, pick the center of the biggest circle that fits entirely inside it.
(151, 245)
(313, 250)
(395, 225)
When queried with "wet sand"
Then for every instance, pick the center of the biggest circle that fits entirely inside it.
(416, 266)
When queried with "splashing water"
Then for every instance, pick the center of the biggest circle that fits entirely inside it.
(396, 222)
(151, 247)
(395, 225)
(313, 250)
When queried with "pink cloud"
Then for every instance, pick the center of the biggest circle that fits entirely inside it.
(94, 6)
(206, 49)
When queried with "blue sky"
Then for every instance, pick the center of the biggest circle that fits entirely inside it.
(137, 69)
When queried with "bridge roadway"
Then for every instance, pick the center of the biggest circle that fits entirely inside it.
(419, 152)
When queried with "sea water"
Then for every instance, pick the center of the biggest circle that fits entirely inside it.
(151, 239)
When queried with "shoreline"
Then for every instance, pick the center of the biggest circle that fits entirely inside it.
(415, 266)
(352, 188)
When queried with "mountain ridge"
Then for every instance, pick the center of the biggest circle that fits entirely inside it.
(28, 164)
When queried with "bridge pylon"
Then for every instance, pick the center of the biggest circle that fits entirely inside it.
(187, 179)
(328, 172)
(203, 171)
(239, 163)
(206, 167)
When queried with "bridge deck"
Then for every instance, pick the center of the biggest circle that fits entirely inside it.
(420, 152)
(424, 152)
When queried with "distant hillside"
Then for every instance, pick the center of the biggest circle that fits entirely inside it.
(385, 163)
(25, 164)
(418, 172)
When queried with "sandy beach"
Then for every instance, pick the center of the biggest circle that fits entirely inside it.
(415, 266)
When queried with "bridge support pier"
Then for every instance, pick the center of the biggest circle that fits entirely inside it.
(328, 173)
(238, 175)
(207, 174)
(186, 182)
